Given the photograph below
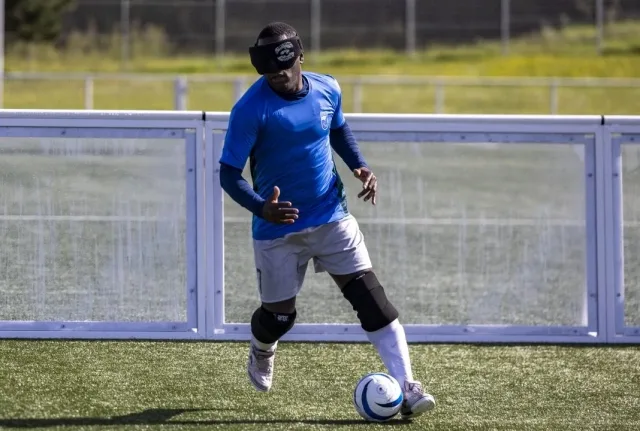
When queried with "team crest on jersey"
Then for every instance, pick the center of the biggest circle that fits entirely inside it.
(325, 119)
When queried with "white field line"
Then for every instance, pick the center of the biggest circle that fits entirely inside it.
(95, 218)
(426, 221)
(423, 221)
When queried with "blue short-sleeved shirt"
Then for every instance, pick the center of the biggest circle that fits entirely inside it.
(287, 144)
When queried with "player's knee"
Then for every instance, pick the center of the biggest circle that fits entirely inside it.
(367, 296)
(269, 327)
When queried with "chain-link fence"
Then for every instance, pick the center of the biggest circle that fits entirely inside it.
(223, 26)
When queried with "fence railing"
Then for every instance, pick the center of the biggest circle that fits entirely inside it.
(488, 229)
(181, 85)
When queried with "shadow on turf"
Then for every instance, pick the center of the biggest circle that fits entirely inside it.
(163, 416)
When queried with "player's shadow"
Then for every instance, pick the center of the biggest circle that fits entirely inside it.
(164, 416)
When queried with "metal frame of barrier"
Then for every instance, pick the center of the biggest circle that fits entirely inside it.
(618, 131)
(599, 137)
(125, 125)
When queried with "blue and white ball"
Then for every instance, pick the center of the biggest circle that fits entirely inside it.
(378, 397)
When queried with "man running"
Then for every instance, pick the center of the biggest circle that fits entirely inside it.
(286, 125)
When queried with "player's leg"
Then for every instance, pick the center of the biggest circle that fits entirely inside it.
(269, 323)
(280, 273)
(379, 319)
(341, 251)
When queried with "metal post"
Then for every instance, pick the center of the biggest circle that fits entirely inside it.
(599, 26)
(357, 97)
(410, 27)
(220, 27)
(553, 97)
(88, 92)
(439, 97)
(1, 53)
(316, 14)
(125, 33)
(238, 88)
(505, 25)
(181, 88)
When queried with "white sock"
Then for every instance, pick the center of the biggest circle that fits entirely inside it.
(392, 347)
(263, 346)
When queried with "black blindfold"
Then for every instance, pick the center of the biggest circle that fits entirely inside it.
(277, 56)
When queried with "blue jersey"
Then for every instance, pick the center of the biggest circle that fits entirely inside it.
(287, 144)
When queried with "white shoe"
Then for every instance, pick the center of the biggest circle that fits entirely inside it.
(260, 367)
(416, 402)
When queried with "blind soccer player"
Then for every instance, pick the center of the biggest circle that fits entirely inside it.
(286, 124)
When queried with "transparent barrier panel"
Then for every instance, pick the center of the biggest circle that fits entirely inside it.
(462, 234)
(92, 229)
(631, 232)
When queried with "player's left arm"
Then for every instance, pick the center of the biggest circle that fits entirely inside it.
(345, 145)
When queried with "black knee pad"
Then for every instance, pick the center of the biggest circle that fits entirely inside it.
(269, 327)
(366, 295)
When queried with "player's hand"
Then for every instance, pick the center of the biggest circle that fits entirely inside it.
(279, 212)
(369, 184)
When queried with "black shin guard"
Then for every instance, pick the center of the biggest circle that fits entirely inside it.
(366, 295)
(268, 327)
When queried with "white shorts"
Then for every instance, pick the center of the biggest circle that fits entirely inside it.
(281, 264)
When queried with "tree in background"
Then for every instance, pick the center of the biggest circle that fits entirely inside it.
(35, 20)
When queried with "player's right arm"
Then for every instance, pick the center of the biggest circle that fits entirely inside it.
(242, 135)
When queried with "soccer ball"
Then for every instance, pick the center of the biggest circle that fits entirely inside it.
(378, 397)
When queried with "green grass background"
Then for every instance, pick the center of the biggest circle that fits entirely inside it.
(167, 385)
(201, 386)
(568, 52)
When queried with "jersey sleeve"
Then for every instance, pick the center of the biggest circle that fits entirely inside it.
(241, 136)
(338, 119)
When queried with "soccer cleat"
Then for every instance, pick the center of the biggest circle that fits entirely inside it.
(416, 402)
(260, 367)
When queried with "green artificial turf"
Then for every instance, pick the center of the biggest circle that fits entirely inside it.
(180, 386)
